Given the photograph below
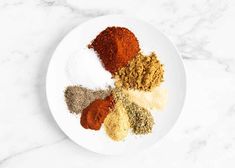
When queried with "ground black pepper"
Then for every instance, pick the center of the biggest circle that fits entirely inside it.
(77, 98)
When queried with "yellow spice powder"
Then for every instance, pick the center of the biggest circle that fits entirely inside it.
(154, 100)
(117, 123)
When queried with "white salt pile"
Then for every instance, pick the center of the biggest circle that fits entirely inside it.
(84, 68)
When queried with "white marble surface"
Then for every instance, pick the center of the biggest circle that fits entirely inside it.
(203, 30)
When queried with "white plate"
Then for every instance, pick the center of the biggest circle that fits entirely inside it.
(150, 39)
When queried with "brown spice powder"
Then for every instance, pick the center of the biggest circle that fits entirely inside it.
(142, 73)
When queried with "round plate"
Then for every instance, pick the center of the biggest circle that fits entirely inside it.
(150, 39)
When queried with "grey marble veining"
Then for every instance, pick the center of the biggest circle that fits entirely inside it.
(202, 30)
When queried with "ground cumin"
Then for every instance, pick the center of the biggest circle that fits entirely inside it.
(142, 73)
(115, 46)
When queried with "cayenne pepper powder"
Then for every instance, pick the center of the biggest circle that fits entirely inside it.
(115, 46)
(93, 116)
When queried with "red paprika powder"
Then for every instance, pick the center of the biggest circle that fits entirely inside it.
(93, 116)
(115, 46)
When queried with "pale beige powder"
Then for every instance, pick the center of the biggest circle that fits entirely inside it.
(117, 123)
(154, 100)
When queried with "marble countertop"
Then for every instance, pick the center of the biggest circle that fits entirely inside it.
(203, 31)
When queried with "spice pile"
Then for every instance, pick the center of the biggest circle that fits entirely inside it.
(137, 90)
(78, 98)
(93, 116)
(141, 120)
(115, 46)
(117, 122)
(142, 73)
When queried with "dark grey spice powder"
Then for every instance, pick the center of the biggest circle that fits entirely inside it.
(77, 98)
